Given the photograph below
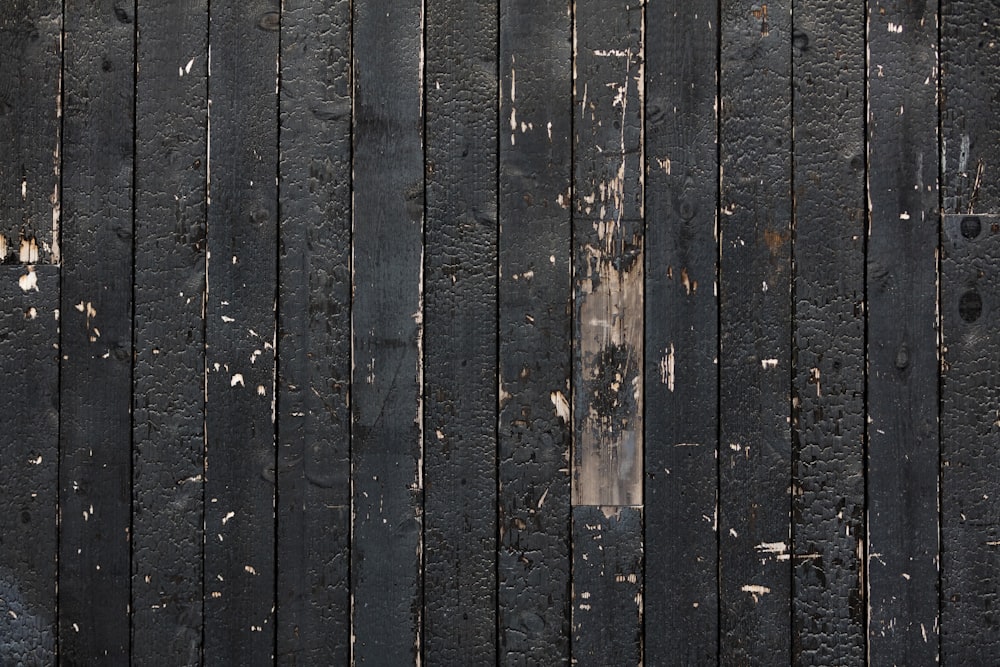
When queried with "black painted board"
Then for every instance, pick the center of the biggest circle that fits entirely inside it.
(755, 334)
(240, 334)
(828, 108)
(681, 370)
(607, 586)
(901, 276)
(460, 319)
(970, 129)
(970, 392)
(29, 359)
(169, 291)
(30, 109)
(314, 339)
(535, 172)
(608, 238)
(95, 457)
(387, 409)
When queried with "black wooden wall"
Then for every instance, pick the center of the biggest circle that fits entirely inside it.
(453, 332)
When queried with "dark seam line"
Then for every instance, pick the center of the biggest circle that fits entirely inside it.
(866, 593)
(132, 356)
(718, 333)
(58, 241)
(277, 331)
(793, 423)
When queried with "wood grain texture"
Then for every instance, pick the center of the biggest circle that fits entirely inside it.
(460, 415)
(169, 292)
(533, 560)
(681, 369)
(314, 339)
(29, 361)
(970, 129)
(240, 333)
(607, 586)
(902, 333)
(970, 312)
(387, 402)
(828, 417)
(755, 332)
(95, 458)
(30, 110)
(608, 238)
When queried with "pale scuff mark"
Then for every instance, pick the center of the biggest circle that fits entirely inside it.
(667, 368)
(769, 363)
(755, 590)
(3, 247)
(228, 516)
(28, 252)
(28, 281)
(237, 379)
(561, 405)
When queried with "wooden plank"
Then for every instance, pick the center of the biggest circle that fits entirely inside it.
(970, 393)
(755, 333)
(607, 586)
(533, 560)
(970, 129)
(314, 364)
(169, 291)
(681, 369)
(29, 359)
(30, 109)
(608, 230)
(95, 458)
(902, 337)
(240, 333)
(387, 330)
(828, 414)
(460, 316)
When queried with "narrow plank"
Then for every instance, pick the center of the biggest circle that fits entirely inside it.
(755, 333)
(828, 624)
(970, 129)
(240, 333)
(608, 253)
(460, 318)
(533, 560)
(607, 586)
(902, 549)
(970, 312)
(169, 291)
(970, 61)
(314, 364)
(387, 402)
(681, 370)
(96, 333)
(30, 108)
(29, 359)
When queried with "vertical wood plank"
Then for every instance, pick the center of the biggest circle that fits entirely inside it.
(970, 63)
(970, 393)
(755, 332)
(535, 336)
(681, 369)
(828, 372)
(169, 291)
(387, 401)
(96, 332)
(608, 253)
(460, 417)
(314, 364)
(240, 333)
(30, 109)
(902, 337)
(607, 586)
(29, 403)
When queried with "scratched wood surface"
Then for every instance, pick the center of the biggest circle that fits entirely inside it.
(526, 333)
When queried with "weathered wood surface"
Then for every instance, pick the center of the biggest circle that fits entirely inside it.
(755, 143)
(828, 383)
(426, 332)
(387, 402)
(314, 335)
(902, 344)
(535, 340)
(681, 369)
(168, 437)
(95, 332)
